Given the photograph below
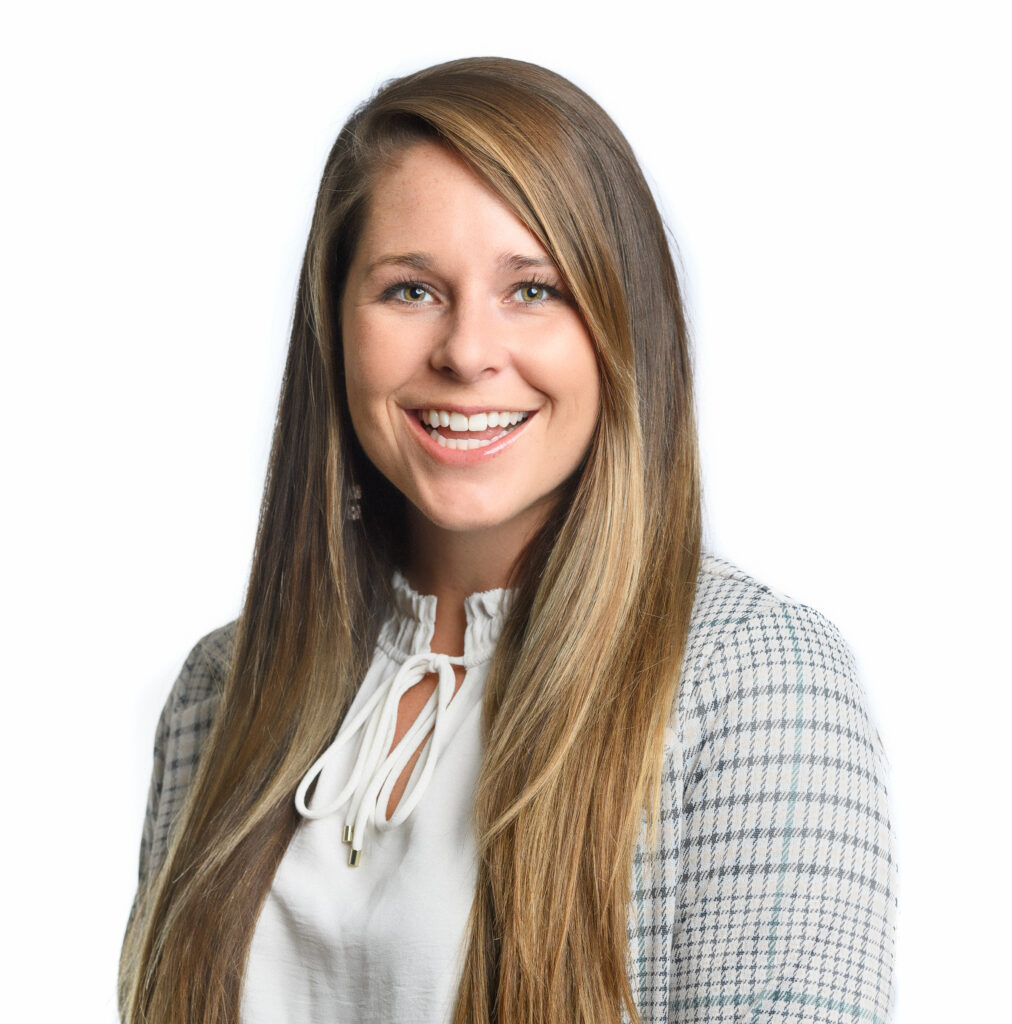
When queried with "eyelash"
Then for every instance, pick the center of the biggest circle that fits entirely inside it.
(392, 293)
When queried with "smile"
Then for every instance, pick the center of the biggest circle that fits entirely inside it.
(460, 432)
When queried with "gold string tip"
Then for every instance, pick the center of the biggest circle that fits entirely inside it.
(355, 858)
(349, 834)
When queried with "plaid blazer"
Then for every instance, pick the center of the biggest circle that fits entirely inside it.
(769, 894)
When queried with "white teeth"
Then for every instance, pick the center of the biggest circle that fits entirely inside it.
(475, 423)
(461, 444)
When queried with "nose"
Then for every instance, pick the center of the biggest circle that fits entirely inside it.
(472, 345)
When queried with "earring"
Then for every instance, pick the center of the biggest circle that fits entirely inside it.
(355, 505)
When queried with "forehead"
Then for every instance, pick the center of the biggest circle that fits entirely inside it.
(428, 197)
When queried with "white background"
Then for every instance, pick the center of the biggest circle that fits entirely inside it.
(837, 177)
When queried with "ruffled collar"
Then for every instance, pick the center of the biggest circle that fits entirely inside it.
(412, 619)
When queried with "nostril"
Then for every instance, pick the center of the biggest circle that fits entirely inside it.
(472, 348)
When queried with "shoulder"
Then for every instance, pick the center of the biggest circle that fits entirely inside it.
(759, 664)
(193, 702)
(203, 674)
(739, 626)
(185, 724)
(731, 608)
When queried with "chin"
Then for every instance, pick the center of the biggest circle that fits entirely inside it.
(486, 510)
(470, 522)
(471, 512)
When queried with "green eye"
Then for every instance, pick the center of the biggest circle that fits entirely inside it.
(532, 292)
(413, 293)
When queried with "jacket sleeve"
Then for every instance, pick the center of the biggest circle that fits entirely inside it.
(183, 728)
(154, 795)
(786, 886)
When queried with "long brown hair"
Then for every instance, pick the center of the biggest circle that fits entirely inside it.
(584, 678)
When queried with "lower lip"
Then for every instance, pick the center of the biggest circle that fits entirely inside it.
(471, 457)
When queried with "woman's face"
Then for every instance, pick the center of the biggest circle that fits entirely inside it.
(472, 381)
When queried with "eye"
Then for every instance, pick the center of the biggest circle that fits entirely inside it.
(412, 293)
(532, 292)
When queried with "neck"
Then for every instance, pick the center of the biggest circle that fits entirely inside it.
(452, 565)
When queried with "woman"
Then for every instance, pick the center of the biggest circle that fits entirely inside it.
(491, 740)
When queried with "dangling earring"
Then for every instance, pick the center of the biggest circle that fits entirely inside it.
(355, 505)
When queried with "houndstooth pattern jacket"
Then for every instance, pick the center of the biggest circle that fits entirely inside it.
(769, 893)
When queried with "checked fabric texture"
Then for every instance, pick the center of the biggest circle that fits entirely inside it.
(769, 892)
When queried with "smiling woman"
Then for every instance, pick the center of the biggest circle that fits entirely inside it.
(492, 740)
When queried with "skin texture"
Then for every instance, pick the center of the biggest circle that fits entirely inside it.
(451, 303)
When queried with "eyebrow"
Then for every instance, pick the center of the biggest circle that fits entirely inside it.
(423, 261)
(514, 261)
(417, 260)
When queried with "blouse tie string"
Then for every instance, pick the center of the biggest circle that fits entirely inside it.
(377, 768)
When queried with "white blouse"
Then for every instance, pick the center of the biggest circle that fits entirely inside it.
(382, 940)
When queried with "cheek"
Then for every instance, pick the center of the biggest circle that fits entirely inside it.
(374, 366)
(569, 374)
(362, 368)
(364, 374)
(586, 383)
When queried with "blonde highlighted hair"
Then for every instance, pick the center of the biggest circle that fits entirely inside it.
(585, 675)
